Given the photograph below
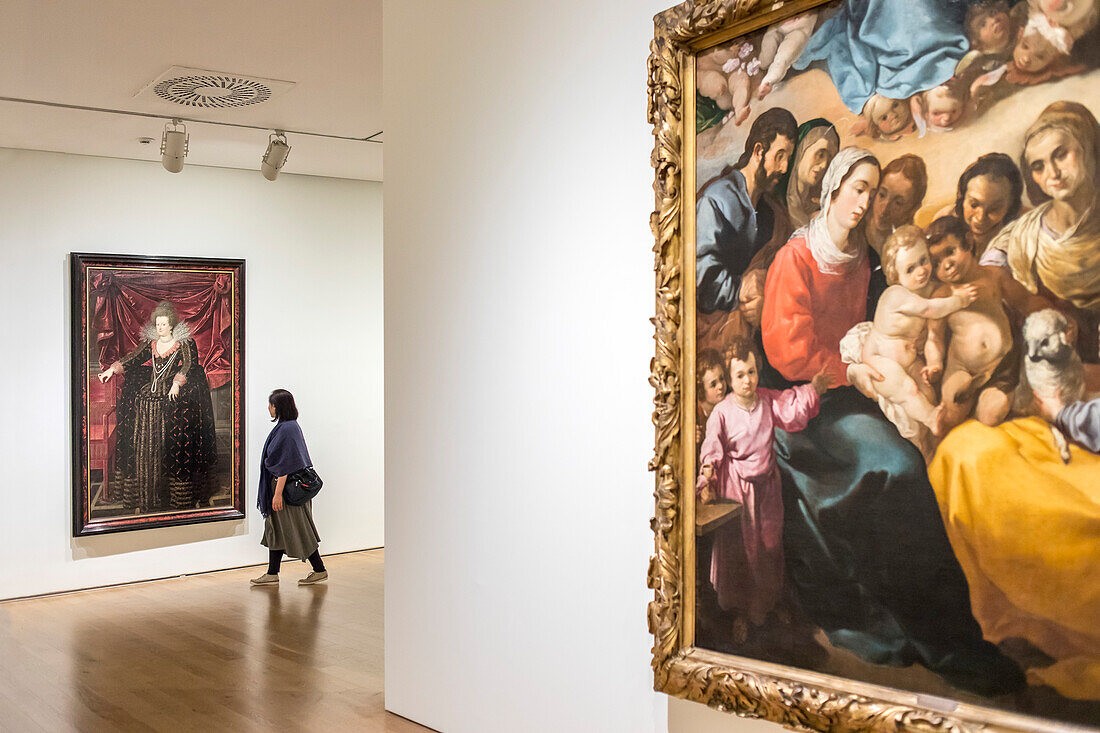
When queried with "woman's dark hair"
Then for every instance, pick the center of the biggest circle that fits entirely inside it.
(994, 165)
(283, 402)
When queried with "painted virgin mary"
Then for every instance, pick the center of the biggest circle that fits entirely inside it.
(867, 556)
(167, 452)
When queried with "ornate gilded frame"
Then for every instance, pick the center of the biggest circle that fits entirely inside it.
(795, 698)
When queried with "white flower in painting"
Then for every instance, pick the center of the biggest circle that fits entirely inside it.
(746, 50)
(731, 66)
(753, 66)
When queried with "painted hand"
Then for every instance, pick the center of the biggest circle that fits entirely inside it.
(752, 295)
(931, 374)
(822, 381)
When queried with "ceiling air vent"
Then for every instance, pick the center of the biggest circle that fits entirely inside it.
(211, 89)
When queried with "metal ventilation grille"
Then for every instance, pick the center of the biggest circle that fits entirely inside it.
(212, 91)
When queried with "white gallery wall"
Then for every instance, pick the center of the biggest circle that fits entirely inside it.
(313, 324)
(518, 288)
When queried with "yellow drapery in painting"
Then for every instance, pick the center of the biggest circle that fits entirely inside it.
(1026, 530)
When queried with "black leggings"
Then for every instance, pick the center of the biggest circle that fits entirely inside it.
(275, 558)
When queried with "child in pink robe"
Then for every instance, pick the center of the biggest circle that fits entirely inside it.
(737, 462)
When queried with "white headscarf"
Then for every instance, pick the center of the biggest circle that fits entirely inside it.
(830, 260)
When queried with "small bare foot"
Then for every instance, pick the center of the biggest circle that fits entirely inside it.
(740, 630)
(742, 115)
(764, 90)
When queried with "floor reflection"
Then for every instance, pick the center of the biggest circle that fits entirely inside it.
(202, 653)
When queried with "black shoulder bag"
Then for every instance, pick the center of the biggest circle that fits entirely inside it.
(301, 486)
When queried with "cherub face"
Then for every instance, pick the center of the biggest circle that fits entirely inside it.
(890, 115)
(992, 32)
(743, 378)
(944, 109)
(1033, 53)
(914, 267)
(893, 203)
(985, 203)
(812, 165)
(951, 258)
(853, 198)
(714, 386)
(164, 329)
(1056, 162)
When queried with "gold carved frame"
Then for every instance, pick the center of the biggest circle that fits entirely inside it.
(795, 698)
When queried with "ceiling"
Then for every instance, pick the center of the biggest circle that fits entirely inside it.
(102, 53)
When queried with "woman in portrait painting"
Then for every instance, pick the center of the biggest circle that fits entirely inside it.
(167, 454)
(817, 144)
(867, 556)
(988, 198)
(1053, 251)
(1024, 524)
(899, 195)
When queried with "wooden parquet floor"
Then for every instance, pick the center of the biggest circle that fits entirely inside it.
(202, 653)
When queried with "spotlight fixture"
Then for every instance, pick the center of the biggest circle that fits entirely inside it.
(173, 146)
(275, 155)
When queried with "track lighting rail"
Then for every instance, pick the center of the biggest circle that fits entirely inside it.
(149, 115)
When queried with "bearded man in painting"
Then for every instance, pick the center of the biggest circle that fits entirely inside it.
(736, 219)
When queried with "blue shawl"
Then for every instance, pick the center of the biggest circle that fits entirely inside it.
(284, 453)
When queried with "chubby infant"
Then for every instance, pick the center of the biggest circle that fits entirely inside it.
(981, 335)
(899, 333)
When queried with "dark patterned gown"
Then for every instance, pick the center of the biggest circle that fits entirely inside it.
(166, 456)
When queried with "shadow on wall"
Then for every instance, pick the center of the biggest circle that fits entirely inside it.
(119, 543)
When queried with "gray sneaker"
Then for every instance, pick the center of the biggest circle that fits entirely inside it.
(314, 577)
(265, 579)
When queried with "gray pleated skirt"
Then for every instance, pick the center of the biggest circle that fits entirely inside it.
(292, 530)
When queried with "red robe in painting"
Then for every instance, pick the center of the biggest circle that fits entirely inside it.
(807, 312)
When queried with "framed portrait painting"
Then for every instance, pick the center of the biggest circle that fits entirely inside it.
(877, 373)
(157, 391)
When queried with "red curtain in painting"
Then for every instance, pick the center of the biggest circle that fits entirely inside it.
(125, 299)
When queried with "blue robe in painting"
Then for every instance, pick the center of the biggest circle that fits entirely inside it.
(729, 231)
(895, 48)
(867, 552)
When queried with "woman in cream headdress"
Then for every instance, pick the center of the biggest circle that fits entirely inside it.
(1053, 250)
(859, 514)
(816, 147)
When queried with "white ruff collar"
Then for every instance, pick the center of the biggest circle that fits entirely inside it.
(179, 333)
